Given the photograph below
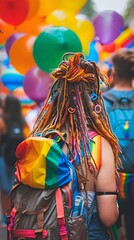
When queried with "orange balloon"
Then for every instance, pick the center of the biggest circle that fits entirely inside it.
(6, 30)
(21, 55)
(104, 56)
(3, 89)
(33, 8)
(46, 7)
(33, 27)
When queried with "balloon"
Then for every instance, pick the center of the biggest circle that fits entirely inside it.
(59, 17)
(11, 40)
(104, 56)
(23, 98)
(51, 44)
(20, 54)
(79, 24)
(85, 31)
(3, 89)
(34, 26)
(14, 12)
(108, 26)
(33, 8)
(5, 31)
(93, 54)
(46, 8)
(74, 5)
(2, 46)
(37, 84)
(12, 79)
(111, 47)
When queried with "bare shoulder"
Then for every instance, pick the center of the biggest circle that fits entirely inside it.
(106, 176)
(107, 153)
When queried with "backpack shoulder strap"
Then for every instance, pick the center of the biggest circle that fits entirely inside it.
(60, 215)
(110, 97)
(58, 136)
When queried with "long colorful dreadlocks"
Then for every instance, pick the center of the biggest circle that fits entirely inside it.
(75, 101)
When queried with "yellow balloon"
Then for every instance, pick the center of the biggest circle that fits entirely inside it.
(47, 6)
(20, 54)
(62, 18)
(85, 31)
(72, 5)
(79, 23)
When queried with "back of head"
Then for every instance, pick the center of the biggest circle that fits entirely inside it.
(123, 64)
(12, 110)
(75, 101)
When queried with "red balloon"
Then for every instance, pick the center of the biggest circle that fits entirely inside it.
(14, 12)
(37, 84)
(109, 47)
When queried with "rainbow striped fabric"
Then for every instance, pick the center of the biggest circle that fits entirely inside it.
(41, 164)
(96, 149)
(126, 185)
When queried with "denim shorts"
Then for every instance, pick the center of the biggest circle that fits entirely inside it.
(96, 230)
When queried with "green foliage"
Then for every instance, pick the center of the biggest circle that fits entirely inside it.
(88, 9)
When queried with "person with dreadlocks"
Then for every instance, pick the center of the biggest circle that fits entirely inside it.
(75, 106)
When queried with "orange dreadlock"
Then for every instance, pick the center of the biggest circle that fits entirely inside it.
(71, 101)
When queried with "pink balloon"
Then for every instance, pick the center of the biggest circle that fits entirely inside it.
(37, 84)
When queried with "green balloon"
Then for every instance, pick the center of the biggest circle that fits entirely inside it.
(51, 44)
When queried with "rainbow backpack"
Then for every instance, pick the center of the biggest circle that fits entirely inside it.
(41, 203)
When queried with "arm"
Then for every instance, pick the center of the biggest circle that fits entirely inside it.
(106, 182)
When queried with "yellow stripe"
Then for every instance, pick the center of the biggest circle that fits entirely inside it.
(36, 160)
(97, 151)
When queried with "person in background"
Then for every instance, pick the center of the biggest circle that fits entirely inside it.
(123, 76)
(4, 188)
(16, 131)
(75, 107)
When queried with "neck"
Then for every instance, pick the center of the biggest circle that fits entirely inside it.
(123, 85)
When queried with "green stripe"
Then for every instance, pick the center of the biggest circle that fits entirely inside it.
(52, 161)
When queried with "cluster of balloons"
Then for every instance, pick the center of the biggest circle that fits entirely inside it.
(37, 33)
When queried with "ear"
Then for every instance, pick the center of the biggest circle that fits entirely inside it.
(113, 74)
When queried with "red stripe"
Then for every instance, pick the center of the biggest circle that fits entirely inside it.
(69, 196)
(27, 233)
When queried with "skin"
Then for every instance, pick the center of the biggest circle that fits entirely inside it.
(105, 182)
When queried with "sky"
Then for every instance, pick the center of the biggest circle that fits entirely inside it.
(116, 5)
